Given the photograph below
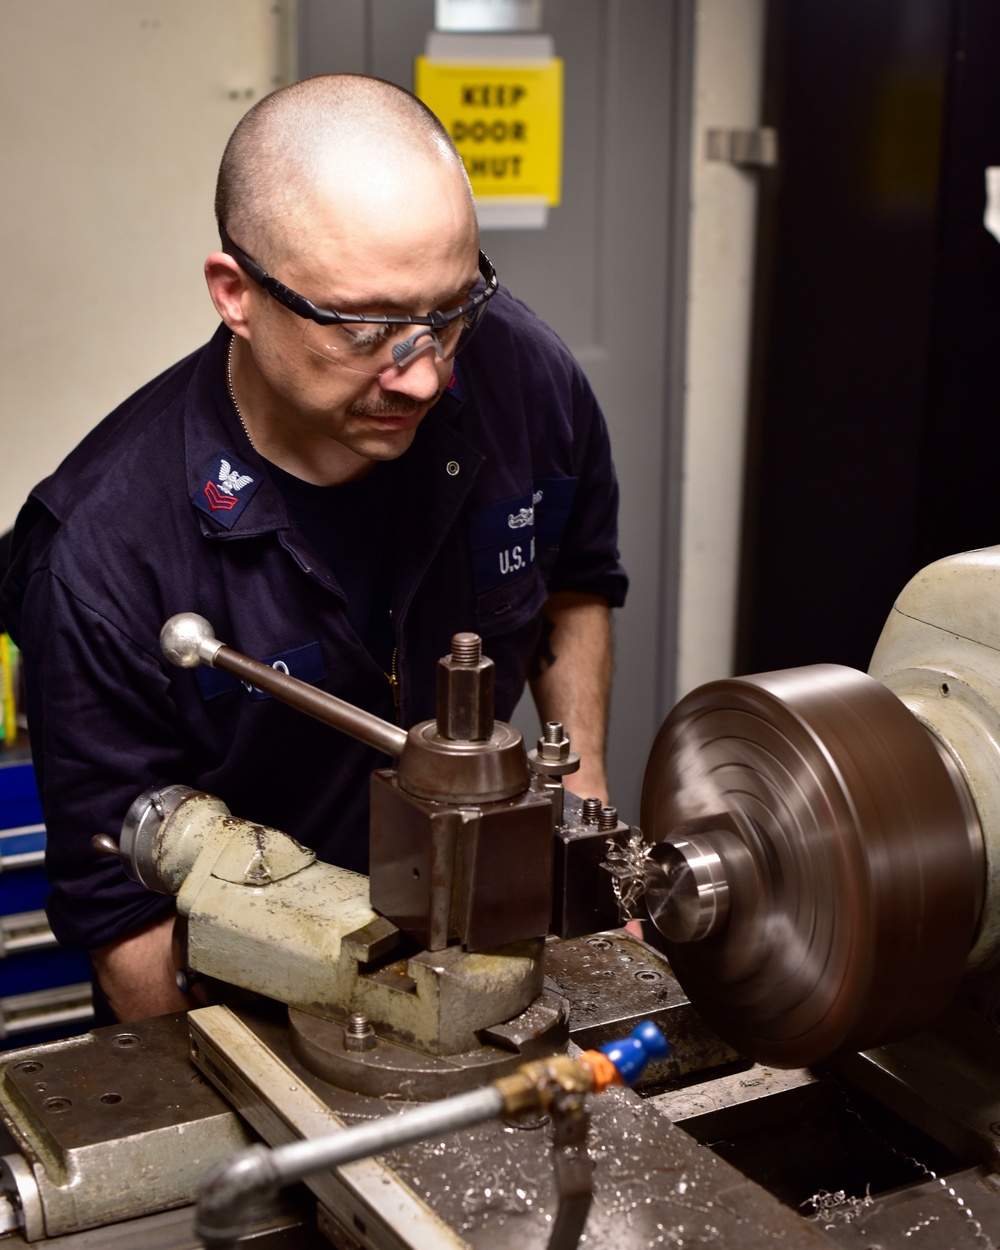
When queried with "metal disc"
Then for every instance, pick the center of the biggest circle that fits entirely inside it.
(851, 859)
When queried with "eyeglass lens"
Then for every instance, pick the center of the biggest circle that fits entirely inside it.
(373, 348)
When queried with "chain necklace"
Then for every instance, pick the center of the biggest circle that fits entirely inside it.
(232, 393)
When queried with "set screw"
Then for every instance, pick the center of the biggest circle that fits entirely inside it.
(591, 812)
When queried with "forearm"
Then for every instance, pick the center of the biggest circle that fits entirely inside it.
(138, 973)
(573, 680)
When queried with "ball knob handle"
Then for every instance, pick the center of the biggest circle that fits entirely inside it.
(188, 640)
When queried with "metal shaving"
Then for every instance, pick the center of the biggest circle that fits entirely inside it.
(629, 866)
(963, 1206)
(829, 1209)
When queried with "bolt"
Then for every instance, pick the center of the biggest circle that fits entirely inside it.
(466, 649)
(608, 818)
(125, 1040)
(647, 974)
(29, 1067)
(552, 759)
(465, 686)
(56, 1105)
(358, 1032)
(554, 742)
(591, 811)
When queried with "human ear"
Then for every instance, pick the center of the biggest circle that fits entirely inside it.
(228, 286)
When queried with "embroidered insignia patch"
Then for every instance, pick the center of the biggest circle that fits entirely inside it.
(228, 488)
(502, 539)
(305, 663)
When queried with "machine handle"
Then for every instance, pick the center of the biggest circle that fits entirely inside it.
(187, 640)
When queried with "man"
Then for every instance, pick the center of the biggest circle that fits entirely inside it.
(334, 491)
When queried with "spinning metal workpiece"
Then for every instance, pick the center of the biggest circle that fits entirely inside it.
(820, 862)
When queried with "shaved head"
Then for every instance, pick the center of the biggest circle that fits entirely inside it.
(340, 137)
(348, 191)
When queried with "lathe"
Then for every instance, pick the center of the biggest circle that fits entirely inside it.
(819, 870)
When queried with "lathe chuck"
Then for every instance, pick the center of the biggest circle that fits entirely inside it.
(821, 865)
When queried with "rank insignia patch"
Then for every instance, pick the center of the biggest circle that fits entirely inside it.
(227, 489)
(454, 387)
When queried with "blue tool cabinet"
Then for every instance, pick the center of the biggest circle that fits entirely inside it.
(45, 989)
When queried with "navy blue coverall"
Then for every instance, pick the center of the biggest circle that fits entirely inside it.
(507, 493)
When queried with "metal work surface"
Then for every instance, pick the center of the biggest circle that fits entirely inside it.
(865, 1178)
(492, 1187)
(653, 1185)
(70, 1105)
(109, 1084)
(611, 981)
(823, 878)
(945, 1080)
(283, 1102)
(747, 1089)
(954, 1213)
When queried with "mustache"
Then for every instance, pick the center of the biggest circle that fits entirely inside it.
(402, 406)
(398, 406)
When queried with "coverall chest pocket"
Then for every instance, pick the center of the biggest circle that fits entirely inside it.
(511, 605)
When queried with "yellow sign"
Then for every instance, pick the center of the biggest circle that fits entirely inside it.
(505, 120)
(8, 711)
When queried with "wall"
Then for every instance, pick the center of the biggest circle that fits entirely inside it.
(113, 115)
(729, 39)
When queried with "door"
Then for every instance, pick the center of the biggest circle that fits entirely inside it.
(600, 273)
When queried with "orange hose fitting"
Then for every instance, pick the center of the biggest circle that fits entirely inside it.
(605, 1072)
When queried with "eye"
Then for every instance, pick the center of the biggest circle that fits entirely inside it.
(363, 339)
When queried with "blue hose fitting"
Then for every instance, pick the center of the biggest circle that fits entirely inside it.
(631, 1055)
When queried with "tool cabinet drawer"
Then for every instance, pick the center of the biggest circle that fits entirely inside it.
(44, 987)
